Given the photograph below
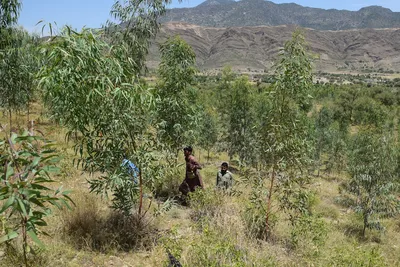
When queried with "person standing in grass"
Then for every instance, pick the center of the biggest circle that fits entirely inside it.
(224, 177)
(193, 178)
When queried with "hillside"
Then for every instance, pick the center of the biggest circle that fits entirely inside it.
(228, 13)
(257, 47)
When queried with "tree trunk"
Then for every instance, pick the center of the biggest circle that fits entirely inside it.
(267, 225)
(365, 224)
(140, 192)
(9, 111)
(199, 155)
(208, 155)
(24, 241)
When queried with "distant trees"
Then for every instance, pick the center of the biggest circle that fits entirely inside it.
(18, 60)
(19, 64)
(238, 106)
(208, 131)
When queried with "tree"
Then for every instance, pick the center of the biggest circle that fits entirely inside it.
(9, 13)
(176, 106)
(86, 89)
(367, 111)
(323, 122)
(372, 166)
(223, 96)
(26, 163)
(135, 23)
(208, 131)
(18, 66)
(240, 120)
(94, 88)
(282, 127)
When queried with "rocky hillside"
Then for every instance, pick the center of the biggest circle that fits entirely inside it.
(228, 13)
(257, 47)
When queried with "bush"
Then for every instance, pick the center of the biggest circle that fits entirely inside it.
(205, 204)
(308, 233)
(255, 220)
(356, 256)
(88, 228)
(222, 253)
(168, 186)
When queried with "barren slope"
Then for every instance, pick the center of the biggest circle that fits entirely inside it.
(257, 47)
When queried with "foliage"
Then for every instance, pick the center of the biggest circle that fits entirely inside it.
(176, 105)
(86, 88)
(222, 253)
(283, 127)
(18, 65)
(26, 163)
(204, 204)
(372, 166)
(222, 100)
(355, 255)
(9, 12)
(134, 23)
(256, 210)
(309, 232)
(208, 131)
(369, 112)
(240, 120)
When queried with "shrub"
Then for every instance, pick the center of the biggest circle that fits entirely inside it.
(357, 256)
(205, 204)
(87, 228)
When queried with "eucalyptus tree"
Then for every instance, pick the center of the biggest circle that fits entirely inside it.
(176, 105)
(134, 24)
(282, 124)
(26, 165)
(18, 66)
(322, 132)
(94, 88)
(224, 100)
(88, 90)
(208, 131)
(240, 120)
(9, 13)
(373, 167)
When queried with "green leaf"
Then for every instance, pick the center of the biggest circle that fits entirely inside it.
(10, 171)
(8, 203)
(35, 161)
(22, 206)
(8, 236)
(34, 237)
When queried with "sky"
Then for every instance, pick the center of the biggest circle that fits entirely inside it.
(94, 13)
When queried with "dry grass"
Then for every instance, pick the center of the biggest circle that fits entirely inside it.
(92, 235)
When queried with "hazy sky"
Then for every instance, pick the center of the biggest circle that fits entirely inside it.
(93, 13)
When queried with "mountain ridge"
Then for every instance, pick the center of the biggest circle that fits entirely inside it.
(257, 47)
(229, 13)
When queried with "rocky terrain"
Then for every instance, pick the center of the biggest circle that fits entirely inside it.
(229, 13)
(257, 47)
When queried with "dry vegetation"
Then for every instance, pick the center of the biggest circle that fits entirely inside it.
(212, 232)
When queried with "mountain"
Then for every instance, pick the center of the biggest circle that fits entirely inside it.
(257, 47)
(229, 13)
